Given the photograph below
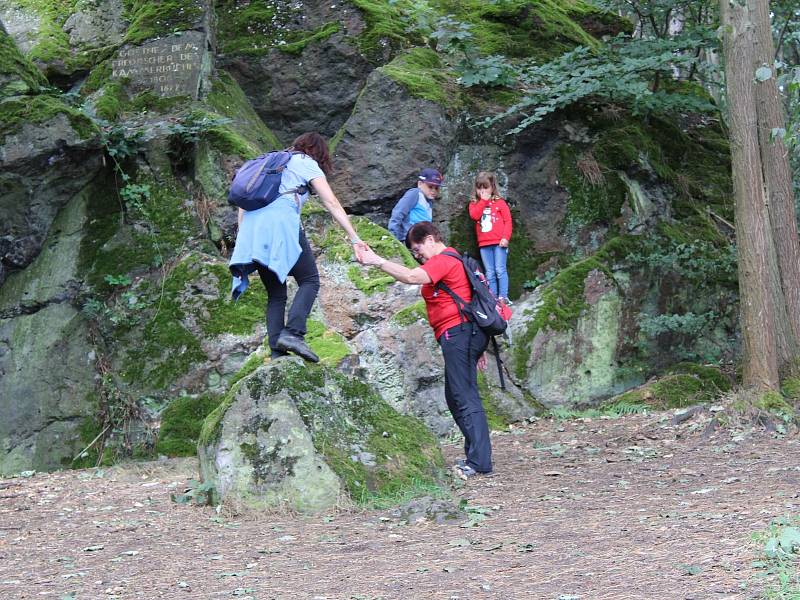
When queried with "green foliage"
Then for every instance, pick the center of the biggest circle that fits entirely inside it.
(181, 422)
(202, 124)
(780, 558)
(199, 494)
(676, 390)
(619, 71)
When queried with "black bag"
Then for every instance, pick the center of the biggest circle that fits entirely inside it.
(485, 310)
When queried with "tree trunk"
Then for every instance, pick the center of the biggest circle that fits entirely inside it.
(777, 176)
(753, 234)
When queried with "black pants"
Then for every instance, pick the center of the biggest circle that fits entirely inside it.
(462, 345)
(306, 275)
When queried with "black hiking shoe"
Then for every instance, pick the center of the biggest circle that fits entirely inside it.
(288, 342)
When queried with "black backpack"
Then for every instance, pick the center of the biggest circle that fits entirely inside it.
(485, 310)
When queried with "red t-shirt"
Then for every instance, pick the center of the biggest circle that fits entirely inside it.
(442, 310)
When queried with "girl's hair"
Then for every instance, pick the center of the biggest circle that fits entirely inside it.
(420, 231)
(483, 180)
(315, 146)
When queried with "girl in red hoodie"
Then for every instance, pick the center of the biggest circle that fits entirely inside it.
(493, 227)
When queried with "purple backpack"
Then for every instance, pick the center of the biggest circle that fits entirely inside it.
(257, 181)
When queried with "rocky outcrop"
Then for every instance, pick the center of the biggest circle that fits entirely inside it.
(302, 436)
(47, 370)
(390, 136)
(297, 86)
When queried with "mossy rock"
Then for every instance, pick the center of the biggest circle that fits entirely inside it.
(254, 28)
(677, 390)
(373, 451)
(421, 72)
(790, 388)
(41, 109)
(181, 423)
(18, 75)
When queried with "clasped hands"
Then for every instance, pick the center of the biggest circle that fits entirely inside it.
(365, 255)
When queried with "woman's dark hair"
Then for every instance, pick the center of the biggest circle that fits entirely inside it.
(316, 147)
(420, 231)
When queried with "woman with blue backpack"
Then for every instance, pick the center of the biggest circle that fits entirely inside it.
(443, 277)
(271, 240)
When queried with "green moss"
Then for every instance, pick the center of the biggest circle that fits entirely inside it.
(226, 316)
(589, 203)
(386, 29)
(109, 105)
(410, 314)
(330, 346)
(229, 101)
(522, 29)
(165, 228)
(563, 302)
(150, 101)
(497, 419)
(99, 76)
(369, 280)
(167, 349)
(711, 376)
(211, 428)
(422, 73)
(23, 77)
(299, 43)
(791, 388)
(256, 27)
(775, 403)
(337, 246)
(40, 109)
(671, 391)
(181, 423)
(150, 19)
(52, 42)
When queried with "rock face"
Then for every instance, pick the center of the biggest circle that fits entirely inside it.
(295, 92)
(301, 436)
(388, 139)
(580, 364)
(46, 359)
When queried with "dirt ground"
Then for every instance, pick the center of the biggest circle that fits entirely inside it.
(634, 507)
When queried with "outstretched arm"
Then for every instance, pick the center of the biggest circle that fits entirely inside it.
(400, 272)
(332, 205)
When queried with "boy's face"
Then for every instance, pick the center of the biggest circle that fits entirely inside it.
(431, 191)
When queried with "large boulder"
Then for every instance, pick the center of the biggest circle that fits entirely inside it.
(301, 436)
(390, 136)
(300, 69)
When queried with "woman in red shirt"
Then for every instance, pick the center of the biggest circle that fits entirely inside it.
(462, 342)
(493, 227)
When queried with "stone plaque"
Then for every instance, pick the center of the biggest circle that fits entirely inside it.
(170, 66)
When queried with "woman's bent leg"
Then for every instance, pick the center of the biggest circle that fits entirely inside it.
(306, 274)
(276, 306)
(487, 258)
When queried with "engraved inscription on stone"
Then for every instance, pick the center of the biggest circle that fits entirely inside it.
(169, 66)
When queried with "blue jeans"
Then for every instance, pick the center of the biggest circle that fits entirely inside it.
(494, 260)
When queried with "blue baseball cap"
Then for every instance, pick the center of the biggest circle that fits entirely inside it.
(431, 177)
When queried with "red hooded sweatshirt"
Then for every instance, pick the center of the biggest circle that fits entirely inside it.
(492, 221)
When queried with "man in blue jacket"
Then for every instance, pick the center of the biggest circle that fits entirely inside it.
(416, 204)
